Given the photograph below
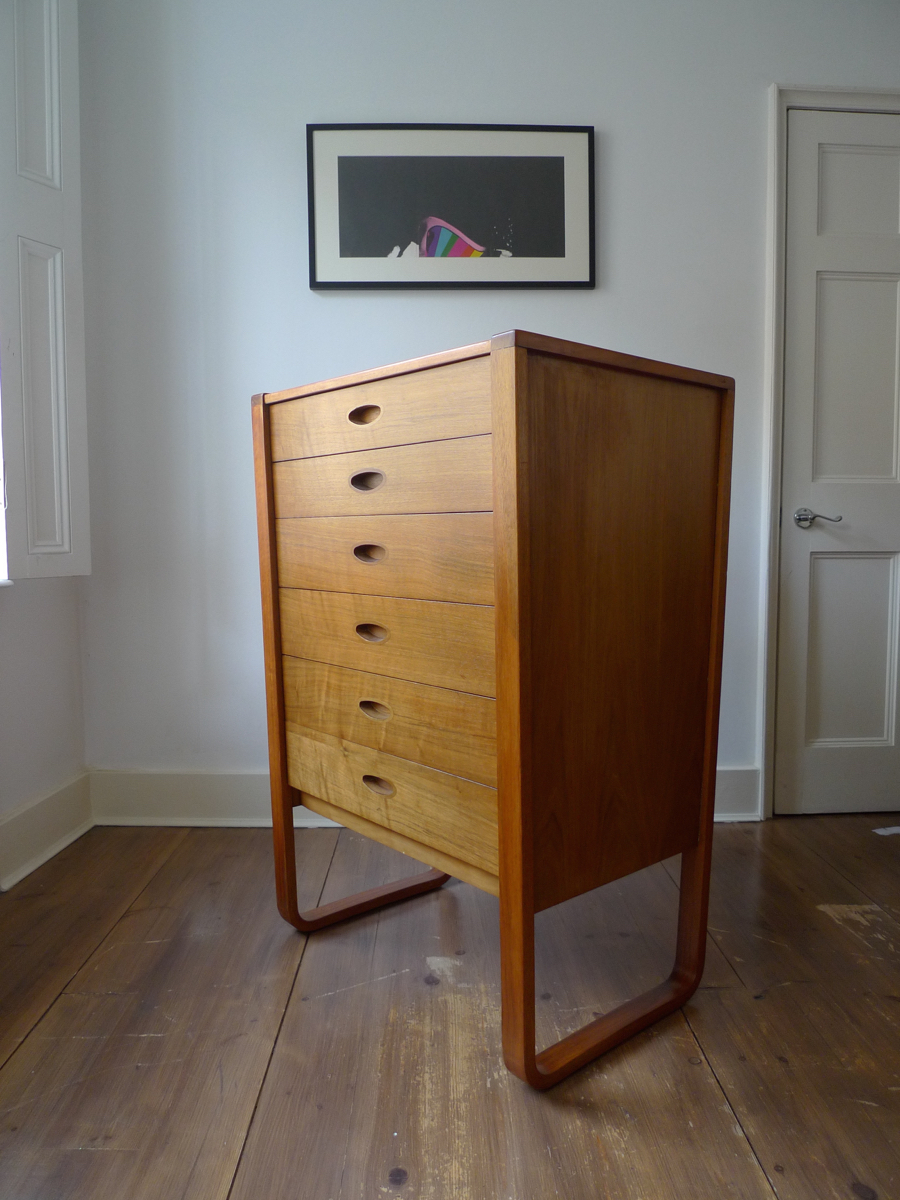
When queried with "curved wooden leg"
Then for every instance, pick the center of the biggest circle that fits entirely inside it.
(556, 1062)
(285, 797)
(352, 906)
(338, 910)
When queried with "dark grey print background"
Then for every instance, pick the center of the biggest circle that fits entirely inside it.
(516, 204)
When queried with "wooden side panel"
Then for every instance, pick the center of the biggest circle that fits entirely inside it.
(443, 402)
(435, 556)
(430, 807)
(449, 476)
(623, 482)
(450, 731)
(445, 645)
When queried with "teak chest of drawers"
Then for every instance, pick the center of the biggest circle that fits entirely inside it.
(493, 594)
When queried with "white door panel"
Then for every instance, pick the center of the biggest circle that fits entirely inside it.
(44, 422)
(839, 594)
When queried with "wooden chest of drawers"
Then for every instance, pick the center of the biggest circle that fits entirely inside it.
(493, 591)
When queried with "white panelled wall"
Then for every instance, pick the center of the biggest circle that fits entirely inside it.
(193, 116)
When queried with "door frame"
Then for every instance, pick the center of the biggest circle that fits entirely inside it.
(781, 100)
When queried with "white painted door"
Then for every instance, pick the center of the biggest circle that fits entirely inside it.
(836, 744)
(44, 424)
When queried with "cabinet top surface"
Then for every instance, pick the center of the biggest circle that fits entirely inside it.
(501, 341)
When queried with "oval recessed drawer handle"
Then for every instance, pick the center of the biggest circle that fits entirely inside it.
(369, 552)
(375, 783)
(376, 710)
(371, 633)
(366, 481)
(364, 415)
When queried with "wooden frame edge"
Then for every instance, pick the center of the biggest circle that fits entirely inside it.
(284, 797)
(407, 367)
(614, 358)
(544, 1069)
(509, 383)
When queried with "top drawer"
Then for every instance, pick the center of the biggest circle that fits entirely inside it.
(441, 402)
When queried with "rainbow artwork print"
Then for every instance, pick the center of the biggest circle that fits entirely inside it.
(413, 205)
(443, 240)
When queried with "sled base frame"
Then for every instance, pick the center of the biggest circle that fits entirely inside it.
(549, 1066)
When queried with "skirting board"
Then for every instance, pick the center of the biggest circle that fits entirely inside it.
(199, 799)
(738, 794)
(34, 833)
(164, 798)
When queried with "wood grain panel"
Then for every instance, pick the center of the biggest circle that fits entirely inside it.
(622, 613)
(445, 645)
(432, 477)
(450, 731)
(438, 556)
(431, 807)
(444, 402)
(55, 918)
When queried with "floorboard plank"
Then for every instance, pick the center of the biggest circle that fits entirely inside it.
(141, 1079)
(807, 1054)
(57, 916)
(388, 1080)
(849, 844)
(815, 1083)
(781, 914)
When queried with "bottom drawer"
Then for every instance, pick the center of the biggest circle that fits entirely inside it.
(432, 808)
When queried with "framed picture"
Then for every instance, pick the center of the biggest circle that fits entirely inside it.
(451, 206)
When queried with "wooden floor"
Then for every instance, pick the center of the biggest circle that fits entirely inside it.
(165, 1035)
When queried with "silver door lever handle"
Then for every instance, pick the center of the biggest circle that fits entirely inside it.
(804, 517)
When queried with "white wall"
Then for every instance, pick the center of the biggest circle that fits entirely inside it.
(41, 732)
(193, 122)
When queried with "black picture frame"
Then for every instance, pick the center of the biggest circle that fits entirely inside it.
(517, 201)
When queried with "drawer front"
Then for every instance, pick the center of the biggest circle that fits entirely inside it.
(450, 731)
(432, 477)
(425, 641)
(438, 556)
(436, 809)
(442, 402)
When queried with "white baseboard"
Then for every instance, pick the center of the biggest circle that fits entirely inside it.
(198, 799)
(32, 834)
(738, 794)
(35, 832)
(164, 798)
